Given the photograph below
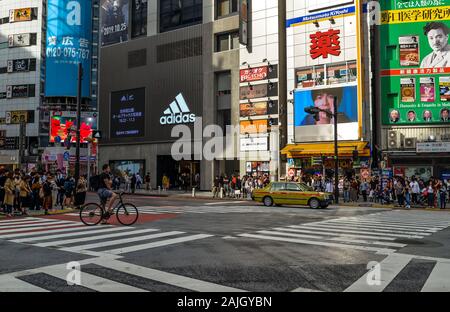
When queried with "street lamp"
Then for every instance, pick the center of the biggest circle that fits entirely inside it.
(315, 112)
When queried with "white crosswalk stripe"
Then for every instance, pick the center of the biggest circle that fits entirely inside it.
(216, 208)
(74, 237)
(12, 282)
(378, 232)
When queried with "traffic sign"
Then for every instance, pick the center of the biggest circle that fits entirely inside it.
(97, 134)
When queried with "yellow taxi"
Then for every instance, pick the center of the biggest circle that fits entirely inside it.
(291, 193)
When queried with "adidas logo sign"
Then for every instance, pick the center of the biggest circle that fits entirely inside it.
(177, 113)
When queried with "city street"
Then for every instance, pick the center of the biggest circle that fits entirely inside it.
(222, 246)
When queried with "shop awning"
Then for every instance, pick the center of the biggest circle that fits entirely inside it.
(345, 149)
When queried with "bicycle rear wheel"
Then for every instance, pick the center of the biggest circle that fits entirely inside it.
(127, 214)
(91, 214)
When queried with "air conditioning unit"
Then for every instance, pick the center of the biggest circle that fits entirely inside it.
(410, 142)
(445, 137)
(395, 139)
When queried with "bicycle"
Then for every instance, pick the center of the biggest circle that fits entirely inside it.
(92, 213)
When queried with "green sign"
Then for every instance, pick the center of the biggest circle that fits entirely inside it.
(415, 61)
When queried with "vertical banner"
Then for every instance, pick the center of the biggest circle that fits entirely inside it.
(69, 35)
(244, 14)
(114, 21)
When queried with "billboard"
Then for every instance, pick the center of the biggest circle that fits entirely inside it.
(244, 16)
(113, 21)
(21, 65)
(307, 129)
(254, 126)
(64, 123)
(69, 35)
(415, 62)
(20, 15)
(128, 113)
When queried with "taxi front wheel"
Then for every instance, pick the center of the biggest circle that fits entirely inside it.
(268, 201)
(314, 203)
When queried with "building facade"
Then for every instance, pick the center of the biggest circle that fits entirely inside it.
(327, 57)
(21, 78)
(165, 65)
(413, 92)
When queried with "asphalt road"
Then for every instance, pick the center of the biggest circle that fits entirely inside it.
(181, 244)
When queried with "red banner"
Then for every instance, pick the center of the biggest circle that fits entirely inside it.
(253, 74)
(415, 71)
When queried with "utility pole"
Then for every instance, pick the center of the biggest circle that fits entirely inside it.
(77, 153)
(336, 154)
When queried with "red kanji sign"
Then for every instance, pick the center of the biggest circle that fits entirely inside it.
(324, 43)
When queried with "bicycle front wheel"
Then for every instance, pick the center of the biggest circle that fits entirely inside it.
(127, 214)
(91, 214)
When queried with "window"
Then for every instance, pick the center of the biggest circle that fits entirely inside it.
(227, 41)
(336, 73)
(293, 187)
(278, 187)
(226, 7)
(175, 14)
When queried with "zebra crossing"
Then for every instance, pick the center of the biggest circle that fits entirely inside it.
(73, 236)
(105, 275)
(383, 233)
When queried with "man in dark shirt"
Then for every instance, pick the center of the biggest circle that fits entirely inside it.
(104, 190)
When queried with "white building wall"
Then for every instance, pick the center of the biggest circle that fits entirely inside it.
(34, 26)
(263, 45)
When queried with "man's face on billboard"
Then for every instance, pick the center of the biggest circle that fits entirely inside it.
(394, 115)
(411, 115)
(437, 39)
(445, 114)
(427, 114)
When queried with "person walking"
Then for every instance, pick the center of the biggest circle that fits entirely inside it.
(60, 185)
(133, 183)
(442, 195)
(430, 194)
(415, 190)
(69, 187)
(47, 188)
(3, 178)
(346, 189)
(364, 189)
(147, 181)
(399, 193)
(407, 196)
(216, 187)
(9, 193)
(80, 193)
(36, 187)
(165, 182)
(26, 195)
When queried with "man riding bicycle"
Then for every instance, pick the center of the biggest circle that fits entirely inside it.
(105, 190)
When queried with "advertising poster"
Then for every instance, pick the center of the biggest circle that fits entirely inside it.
(408, 90)
(128, 113)
(253, 109)
(113, 21)
(21, 65)
(444, 88)
(139, 18)
(427, 90)
(409, 50)
(253, 126)
(414, 62)
(258, 91)
(69, 35)
(253, 74)
(64, 123)
(20, 15)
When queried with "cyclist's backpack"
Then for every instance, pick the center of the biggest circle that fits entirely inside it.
(95, 182)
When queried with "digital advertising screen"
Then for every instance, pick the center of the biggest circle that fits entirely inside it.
(69, 42)
(114, 21)
(415, 62)
(128, 113)
(307, 129)
(64, 123)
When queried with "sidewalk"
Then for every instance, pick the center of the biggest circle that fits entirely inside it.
(38, 213)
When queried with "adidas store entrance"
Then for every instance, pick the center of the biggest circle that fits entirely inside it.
(183, 175)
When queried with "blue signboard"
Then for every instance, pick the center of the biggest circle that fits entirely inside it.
(320, 16)
(69, 42)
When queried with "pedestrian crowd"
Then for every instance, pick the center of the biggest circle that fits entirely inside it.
(22, 191)
(433, 193)
(236, 187)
